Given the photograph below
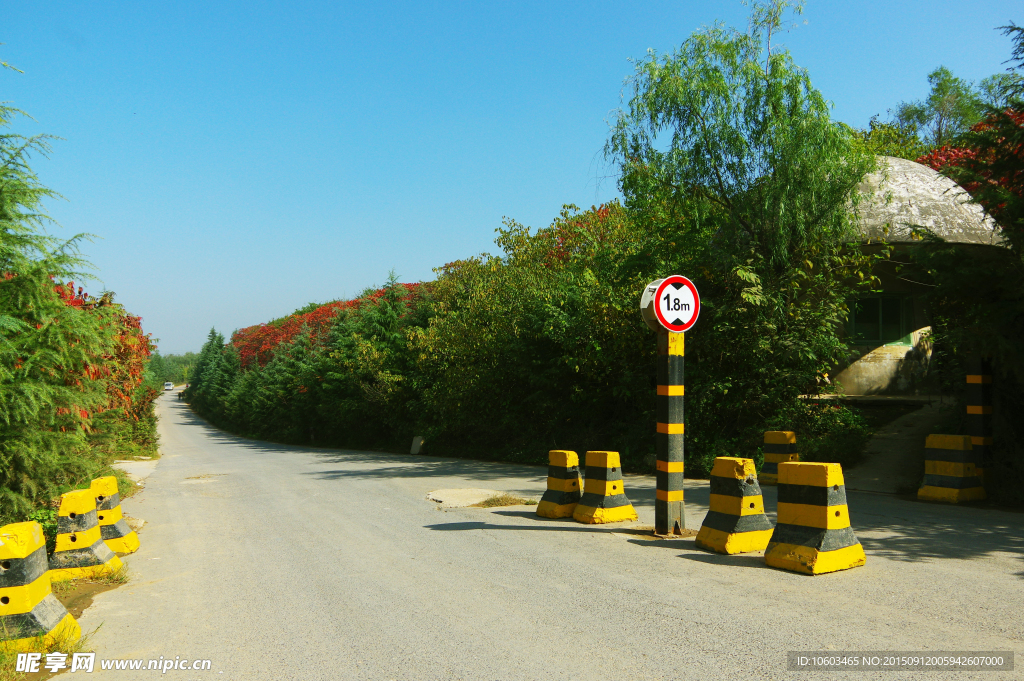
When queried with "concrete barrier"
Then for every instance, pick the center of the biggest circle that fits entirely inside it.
(30, 615)
(736, 522)
(604, 496)
(80, 551)
(113, 529)
(950, 470)
(813, 534)
(564, 485)
(779, 447)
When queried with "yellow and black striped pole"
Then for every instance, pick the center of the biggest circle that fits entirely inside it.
(669, 511)
(979, 410)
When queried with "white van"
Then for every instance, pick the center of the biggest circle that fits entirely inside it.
(168, 386)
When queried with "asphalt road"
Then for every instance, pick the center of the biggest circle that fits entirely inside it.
(278, 562)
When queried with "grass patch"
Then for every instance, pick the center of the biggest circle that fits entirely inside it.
(505, 499)
(116, 578)
(70, 586)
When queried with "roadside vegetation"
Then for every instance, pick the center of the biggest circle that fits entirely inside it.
(733, 172)
(173, 368)
(505, 499)
(74, 391)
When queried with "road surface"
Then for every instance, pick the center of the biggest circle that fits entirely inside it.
(280, 562)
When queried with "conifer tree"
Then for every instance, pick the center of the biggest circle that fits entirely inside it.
(52, 339)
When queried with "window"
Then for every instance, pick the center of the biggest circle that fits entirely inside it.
(881, 320)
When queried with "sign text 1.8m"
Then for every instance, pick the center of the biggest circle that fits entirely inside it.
(676, 303)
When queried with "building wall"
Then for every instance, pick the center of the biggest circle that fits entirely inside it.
(891, 369)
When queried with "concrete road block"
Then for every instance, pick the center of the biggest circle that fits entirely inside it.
(30, 615)
(80, 550)
(779, 447)
(113, 529)
(564, 485)
(736, 522)
(951, 470)
(604, 497)
(813, 534)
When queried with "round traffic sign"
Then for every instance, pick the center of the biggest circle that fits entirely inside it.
(676, 303)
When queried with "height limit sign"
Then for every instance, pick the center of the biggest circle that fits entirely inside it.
(671, 303)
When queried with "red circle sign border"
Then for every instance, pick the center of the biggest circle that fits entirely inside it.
(677, 328)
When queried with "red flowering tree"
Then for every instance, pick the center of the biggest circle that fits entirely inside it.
(989, 164)
(256, 344)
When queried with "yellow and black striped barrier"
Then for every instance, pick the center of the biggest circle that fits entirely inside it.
(979, 411)
(950, 470)
(779, 447)
(113, 529)
(604, 498)
(30, 615)
(813, 534)
(80, 551)
(564, 488)
(669, 510)
(736, 522)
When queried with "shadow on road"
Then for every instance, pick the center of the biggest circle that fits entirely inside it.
(481, 525)
(747, 560)
(888, 526)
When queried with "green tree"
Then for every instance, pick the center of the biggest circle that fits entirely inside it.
(157, 370)
(730, 154)
(53, 343)
(952, 106)
(541, 347)
(891, 139)
(213, 376)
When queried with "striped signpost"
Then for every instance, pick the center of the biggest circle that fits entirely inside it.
(979, 409)
(670, 306)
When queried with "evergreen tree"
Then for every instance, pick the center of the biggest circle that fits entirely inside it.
(53, 341)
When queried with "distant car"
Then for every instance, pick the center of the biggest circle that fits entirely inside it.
(168, 386)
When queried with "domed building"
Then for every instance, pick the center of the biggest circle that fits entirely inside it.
(889, 332)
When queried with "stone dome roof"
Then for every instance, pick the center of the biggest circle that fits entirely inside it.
(901, 195)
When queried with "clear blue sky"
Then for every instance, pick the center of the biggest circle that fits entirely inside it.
(241, 159)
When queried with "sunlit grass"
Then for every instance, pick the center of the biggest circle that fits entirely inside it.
(506, 499)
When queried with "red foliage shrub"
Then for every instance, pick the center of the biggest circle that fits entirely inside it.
(256, 344)
(990, 167)
(123, 369)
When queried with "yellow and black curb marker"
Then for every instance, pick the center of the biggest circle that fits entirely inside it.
(779, 447)
(29, 612)
(80, 551)
(604, 499)
(564, 488)
(669, 510)
(813, 534)
(979, 410)
(113, 529)
(950, 470)
(736, 522)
